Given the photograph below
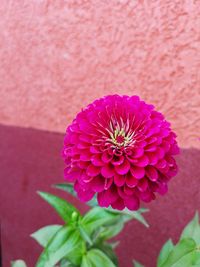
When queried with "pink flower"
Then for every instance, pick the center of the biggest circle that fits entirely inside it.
(121, 149)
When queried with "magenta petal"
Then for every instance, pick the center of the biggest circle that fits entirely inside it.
(83, 145)
(174, 150)
(161, 164)
(117, 160)
(94, 150)
(142, 185)
(131, 181)
(121, 192)
(118, 204)
(107, 197)
(96, 160)
(138, 152)
(119, 180)
(97, 184)
(83, 164)
(142, 161)
(151, 173)
(85, 138)
(85, 126)
(85, 195)
(132, 203)
(108, 171)
(86, 156)
(128, 191)
(137, 172)
(153, 157)
(123, 168)
(70, 174)
(147, 196)
(160, 152)
(106, 157)
(93, 170)
(74, 138)
(84, 177)
(166, 146)
(108, 183)
(162, 188)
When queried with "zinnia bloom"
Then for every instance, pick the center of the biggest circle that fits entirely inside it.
(121, 149)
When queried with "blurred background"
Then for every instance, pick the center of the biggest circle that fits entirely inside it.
(58, 56)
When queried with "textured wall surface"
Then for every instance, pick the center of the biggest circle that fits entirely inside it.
(57, 56)
(38, 165)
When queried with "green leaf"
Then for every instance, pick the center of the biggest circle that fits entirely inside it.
(65, 263)
(84, 235)
(189, 260)
(98, 259)
(137, 264)
(43, 235)
(111, 231)
(164, 253)
(98, 217)
(114, 244)
(107, 248)
(18, 263)
(183, 248)
(63, 208)
(75, 256)
(64, 242)
(138, 216)
(86, 262)
(192, 230)
(130, 215)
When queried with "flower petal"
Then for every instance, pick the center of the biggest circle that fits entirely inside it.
(93, 170)
(151, 173)
(142, 161)
(123, 168)
(131, 181)
(96, 160)
(97, 184)
(108, 171)
(118, 204)
(137, 172)
(132, 203)
(117, 160)
(107, 197)
(106, 157)
(142, 185)
(119, 180)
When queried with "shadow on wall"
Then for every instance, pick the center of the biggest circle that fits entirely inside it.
(30, 161)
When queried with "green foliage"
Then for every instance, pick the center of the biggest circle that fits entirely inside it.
(186, 253)
(167, 248)
(18, 263)
(192, 230)
(82, 241)
(97, 258)
(63, 208)
(64, 242)
(43, 235)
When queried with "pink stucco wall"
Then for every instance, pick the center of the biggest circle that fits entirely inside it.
(57, 56)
